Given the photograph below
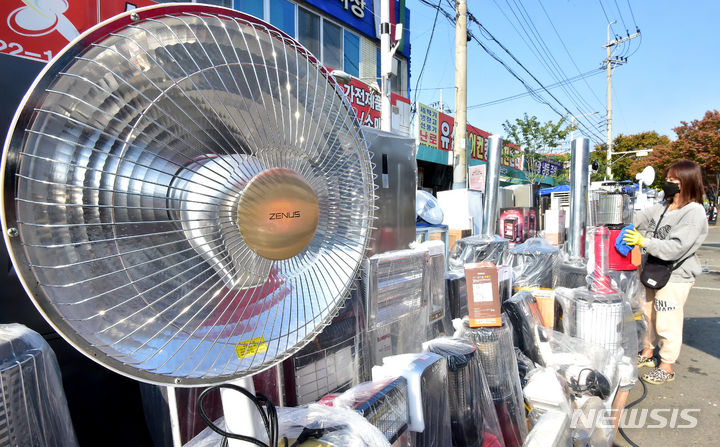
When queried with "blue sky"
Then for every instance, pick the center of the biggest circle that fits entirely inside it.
(672, 74)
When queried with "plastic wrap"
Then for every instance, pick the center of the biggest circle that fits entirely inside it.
(435, 285)
(402, 336)
(471, 410)
(428, 401)
(383, 403)
(569, 272)
(532, 263)
(575, 359)
(346, 426)
(628, 282)
(544, 392)
(331, 363)
(396, 303)
(497, 356)
(525, 366)
(524, 313)
(586, 432)
(477, 249)
(394, 285)
(33, 409)
(604, 320)
(456, 288)
(551, 429)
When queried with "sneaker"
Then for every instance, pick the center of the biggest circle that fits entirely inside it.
(658, 376)
(645, 361)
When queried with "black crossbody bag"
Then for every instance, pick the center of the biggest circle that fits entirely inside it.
(656, 272)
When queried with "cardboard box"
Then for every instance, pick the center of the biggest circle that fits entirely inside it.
(437, 236)
(454, 235)
(554, 238)
(483, 295)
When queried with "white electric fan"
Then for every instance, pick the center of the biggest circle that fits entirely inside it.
(187, 194)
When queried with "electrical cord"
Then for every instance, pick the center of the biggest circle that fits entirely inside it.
(264, 406)
(631, 404)
(268, 413)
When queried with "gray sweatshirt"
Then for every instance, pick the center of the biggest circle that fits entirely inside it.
(681, 233)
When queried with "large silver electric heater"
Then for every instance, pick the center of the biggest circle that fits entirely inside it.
(187, 194)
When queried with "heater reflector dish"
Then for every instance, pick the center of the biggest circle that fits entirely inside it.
(141, 175)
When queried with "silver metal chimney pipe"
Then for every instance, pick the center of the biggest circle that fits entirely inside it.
(492, 183)
(579, 159)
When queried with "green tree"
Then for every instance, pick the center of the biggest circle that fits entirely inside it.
(536, 140)
(625, 166)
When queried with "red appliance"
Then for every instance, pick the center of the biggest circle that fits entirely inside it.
(616, 261)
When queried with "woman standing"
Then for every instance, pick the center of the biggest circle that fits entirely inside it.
(672, 232)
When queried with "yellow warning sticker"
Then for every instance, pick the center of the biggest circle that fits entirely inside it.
(250, 347)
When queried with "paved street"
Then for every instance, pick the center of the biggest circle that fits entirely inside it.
(696, 383)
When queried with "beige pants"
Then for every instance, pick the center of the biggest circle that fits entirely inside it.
(663, 309)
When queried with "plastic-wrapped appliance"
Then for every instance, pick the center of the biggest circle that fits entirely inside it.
(483, 248)
(551, 429)
(33, 409)
(495, 347)
(532, 263)
(395, 303)
(434, 288)
(456, 291)
(527, 323)
(428, 401)
(383, 403)
(474, 421)
(336, 426)
(332, 362)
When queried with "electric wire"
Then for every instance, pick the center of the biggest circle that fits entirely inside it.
(427, 51)
(632, 14)
(582, 76)
(628, 406)
(545, 56)
(568, 52)
(264, 406)
(542, 86)
(622, 19)
(536, 96)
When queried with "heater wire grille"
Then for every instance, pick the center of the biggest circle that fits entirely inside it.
(124, 176)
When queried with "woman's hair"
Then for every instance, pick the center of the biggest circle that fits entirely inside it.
(691, 186)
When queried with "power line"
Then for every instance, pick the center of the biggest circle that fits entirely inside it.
(427, 51)
(533, 93)
(542, 86)
(631, 14)
(521, 95)
(550, 63)
(622, 19)
(568, 52)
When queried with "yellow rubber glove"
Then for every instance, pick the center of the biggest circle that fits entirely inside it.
(633, 237)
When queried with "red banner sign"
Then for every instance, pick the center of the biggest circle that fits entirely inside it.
(39, 29)
(365, 103)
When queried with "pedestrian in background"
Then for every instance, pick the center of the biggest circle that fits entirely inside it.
(672, 231)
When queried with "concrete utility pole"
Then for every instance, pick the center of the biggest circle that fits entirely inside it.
(609, 63)
(459, 144)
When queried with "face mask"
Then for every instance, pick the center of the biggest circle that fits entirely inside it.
(670, 189)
